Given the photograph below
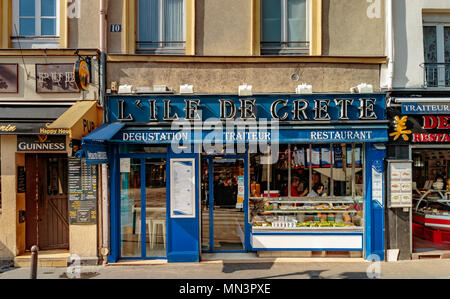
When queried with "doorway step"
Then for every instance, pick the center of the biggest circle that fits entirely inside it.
(46, 258)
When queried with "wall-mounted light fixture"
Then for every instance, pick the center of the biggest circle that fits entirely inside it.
(125, 89)
(303, 89)
(186, 89)
(245, 90)
(365, 88)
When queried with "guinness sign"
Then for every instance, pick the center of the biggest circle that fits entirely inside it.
(41, 143)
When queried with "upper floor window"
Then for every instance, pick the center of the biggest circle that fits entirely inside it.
(436, 44)
(160, 26)
(284, 28)
(35, 24)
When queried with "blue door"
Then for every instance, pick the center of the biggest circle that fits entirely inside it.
(224, 204)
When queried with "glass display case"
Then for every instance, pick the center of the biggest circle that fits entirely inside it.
(308, 189)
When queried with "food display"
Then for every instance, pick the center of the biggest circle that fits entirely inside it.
(278, 213)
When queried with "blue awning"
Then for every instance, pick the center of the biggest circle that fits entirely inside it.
(95, 144)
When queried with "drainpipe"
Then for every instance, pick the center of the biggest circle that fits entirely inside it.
(390, 43)
(104, 168)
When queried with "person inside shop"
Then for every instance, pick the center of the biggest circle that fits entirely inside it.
(303, 185)
(317, 190)
(315, 178)
(294, 185)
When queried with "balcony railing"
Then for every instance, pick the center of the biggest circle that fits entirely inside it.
(161, 47)
(436, 74)
(285, 48)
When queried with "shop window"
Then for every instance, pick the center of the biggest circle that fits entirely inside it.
(160, 26)
(431, 202)
(284, 27)
(35, 24)
(312, 185)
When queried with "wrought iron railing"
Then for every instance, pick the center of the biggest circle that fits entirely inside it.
(297, 47)
(161, 47)
(436, 74)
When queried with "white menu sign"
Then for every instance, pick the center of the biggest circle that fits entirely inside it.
(182, 188)
(377, 185)
(400, 184)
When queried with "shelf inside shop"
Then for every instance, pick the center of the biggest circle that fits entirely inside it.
(292, 200)
(307, 211)
(307, 229)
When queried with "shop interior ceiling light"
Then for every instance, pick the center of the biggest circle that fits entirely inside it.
(303, 89)
(245, 90)
(186, 89)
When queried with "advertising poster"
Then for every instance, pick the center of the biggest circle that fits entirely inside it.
(314, 155)
(240, 194)
(326, 157)
(338, 157)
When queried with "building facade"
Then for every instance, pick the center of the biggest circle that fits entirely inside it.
(229, 126)
(178, 72)
(44, 115)
(418, 103)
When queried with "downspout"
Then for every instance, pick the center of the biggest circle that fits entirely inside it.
(104, 167)
(390, 43)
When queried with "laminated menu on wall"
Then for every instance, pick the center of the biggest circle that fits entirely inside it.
(182, 188)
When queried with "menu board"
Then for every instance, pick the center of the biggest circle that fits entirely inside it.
(21, 180)
(182, 188)
(400, 184)
(82, 192)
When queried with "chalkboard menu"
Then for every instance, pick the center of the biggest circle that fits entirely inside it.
(82, 192)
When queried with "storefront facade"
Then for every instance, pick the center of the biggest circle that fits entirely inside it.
(43, 116)
(419, 138)
(221, 173)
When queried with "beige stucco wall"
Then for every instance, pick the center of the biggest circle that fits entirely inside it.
(223, 27)
(27, 84)
(83, 32)
(213, 78)
(408, 35)
(348, 29)
(83, 240)
(8, 248)
(115, 16)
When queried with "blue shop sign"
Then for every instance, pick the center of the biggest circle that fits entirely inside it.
(270, 135)
(283, 108)
(415, 108)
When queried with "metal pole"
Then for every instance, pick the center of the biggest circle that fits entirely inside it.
(34, 262)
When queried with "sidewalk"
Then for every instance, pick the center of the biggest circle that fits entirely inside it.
(275, 269)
